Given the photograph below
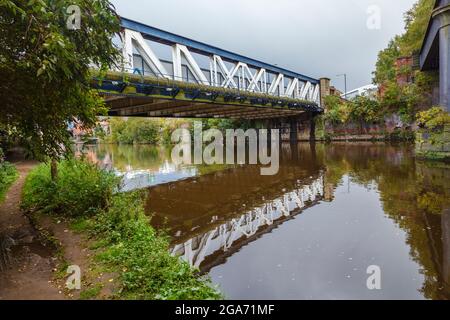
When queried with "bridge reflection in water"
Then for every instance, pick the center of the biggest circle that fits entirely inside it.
(208, 249)
(362, 204)
(211, 216)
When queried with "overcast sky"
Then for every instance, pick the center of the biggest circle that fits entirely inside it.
(314, 37)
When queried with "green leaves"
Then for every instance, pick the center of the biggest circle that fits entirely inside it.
(405, 98)
(434, 118)
(141, 256)
(8, 174)
(80, 190)
(45, 68)
(359, 109)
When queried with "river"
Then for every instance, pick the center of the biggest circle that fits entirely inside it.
(313, 231)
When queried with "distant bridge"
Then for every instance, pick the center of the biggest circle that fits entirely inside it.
(167, 75)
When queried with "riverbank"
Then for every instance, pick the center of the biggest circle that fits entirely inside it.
(8, 175)
(26, 262)
(123, 256)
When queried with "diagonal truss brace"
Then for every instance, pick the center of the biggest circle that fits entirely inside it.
(238, 76)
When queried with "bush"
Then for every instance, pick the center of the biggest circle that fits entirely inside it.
(141, 256)
(127, 244)
(81, 189)
(135, 131)
(8, 174)
(434, 118)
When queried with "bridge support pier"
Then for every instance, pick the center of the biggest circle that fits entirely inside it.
(292, 129)
(444, 73)
(302, 128)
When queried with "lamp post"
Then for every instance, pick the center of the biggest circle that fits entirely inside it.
(345, 83)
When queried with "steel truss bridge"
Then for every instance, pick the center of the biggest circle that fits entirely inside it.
(167, 75)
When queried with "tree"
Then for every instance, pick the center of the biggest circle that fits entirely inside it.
(408, 98)
(45, 68)
(416, 23)
(385, 66)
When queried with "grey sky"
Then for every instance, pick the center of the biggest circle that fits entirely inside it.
(317, 38)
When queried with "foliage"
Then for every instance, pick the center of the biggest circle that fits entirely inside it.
(366, 109)
(385, 70)
(134, 131)
(340, 111)
(159, 131)
(400, 135)
(405, 99)
(168, 126)
(141, 256)
(416, 23)
(44, 68)
(434, 118)
(81, 189)
(127, 244)
(8, 174)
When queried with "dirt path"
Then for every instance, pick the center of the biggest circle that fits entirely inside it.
(26, 265)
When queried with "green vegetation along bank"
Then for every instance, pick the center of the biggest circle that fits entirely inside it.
(433, 136)
(120, 234)
(8, 174)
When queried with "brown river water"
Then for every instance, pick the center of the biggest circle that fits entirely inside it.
(309, 232)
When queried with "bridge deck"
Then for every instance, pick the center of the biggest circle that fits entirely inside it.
(130, 95)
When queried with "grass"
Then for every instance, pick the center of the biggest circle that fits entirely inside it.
(124, 242)
(133, 249)
(91, 293)
(81, 189)
(8, 174)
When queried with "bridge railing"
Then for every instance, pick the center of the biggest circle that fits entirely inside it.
(190, 79)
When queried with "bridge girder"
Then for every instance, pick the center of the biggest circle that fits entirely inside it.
(182, 86)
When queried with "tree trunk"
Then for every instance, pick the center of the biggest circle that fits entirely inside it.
(54, 169)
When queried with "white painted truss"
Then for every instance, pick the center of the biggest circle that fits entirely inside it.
(221, 238)
(232, 74)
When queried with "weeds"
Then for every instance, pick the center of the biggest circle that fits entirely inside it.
(123, 239)
(80, 190)
(8, 174)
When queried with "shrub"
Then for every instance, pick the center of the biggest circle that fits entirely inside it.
(81, 189)
(135, 131)
(434, 118)
(128, 245)
(141, 256)
(8, 174)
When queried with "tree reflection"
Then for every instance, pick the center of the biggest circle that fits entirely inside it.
(416, 195)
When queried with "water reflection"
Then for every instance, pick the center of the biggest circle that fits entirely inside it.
(209, 248)
(141, 166)
(312, 230)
